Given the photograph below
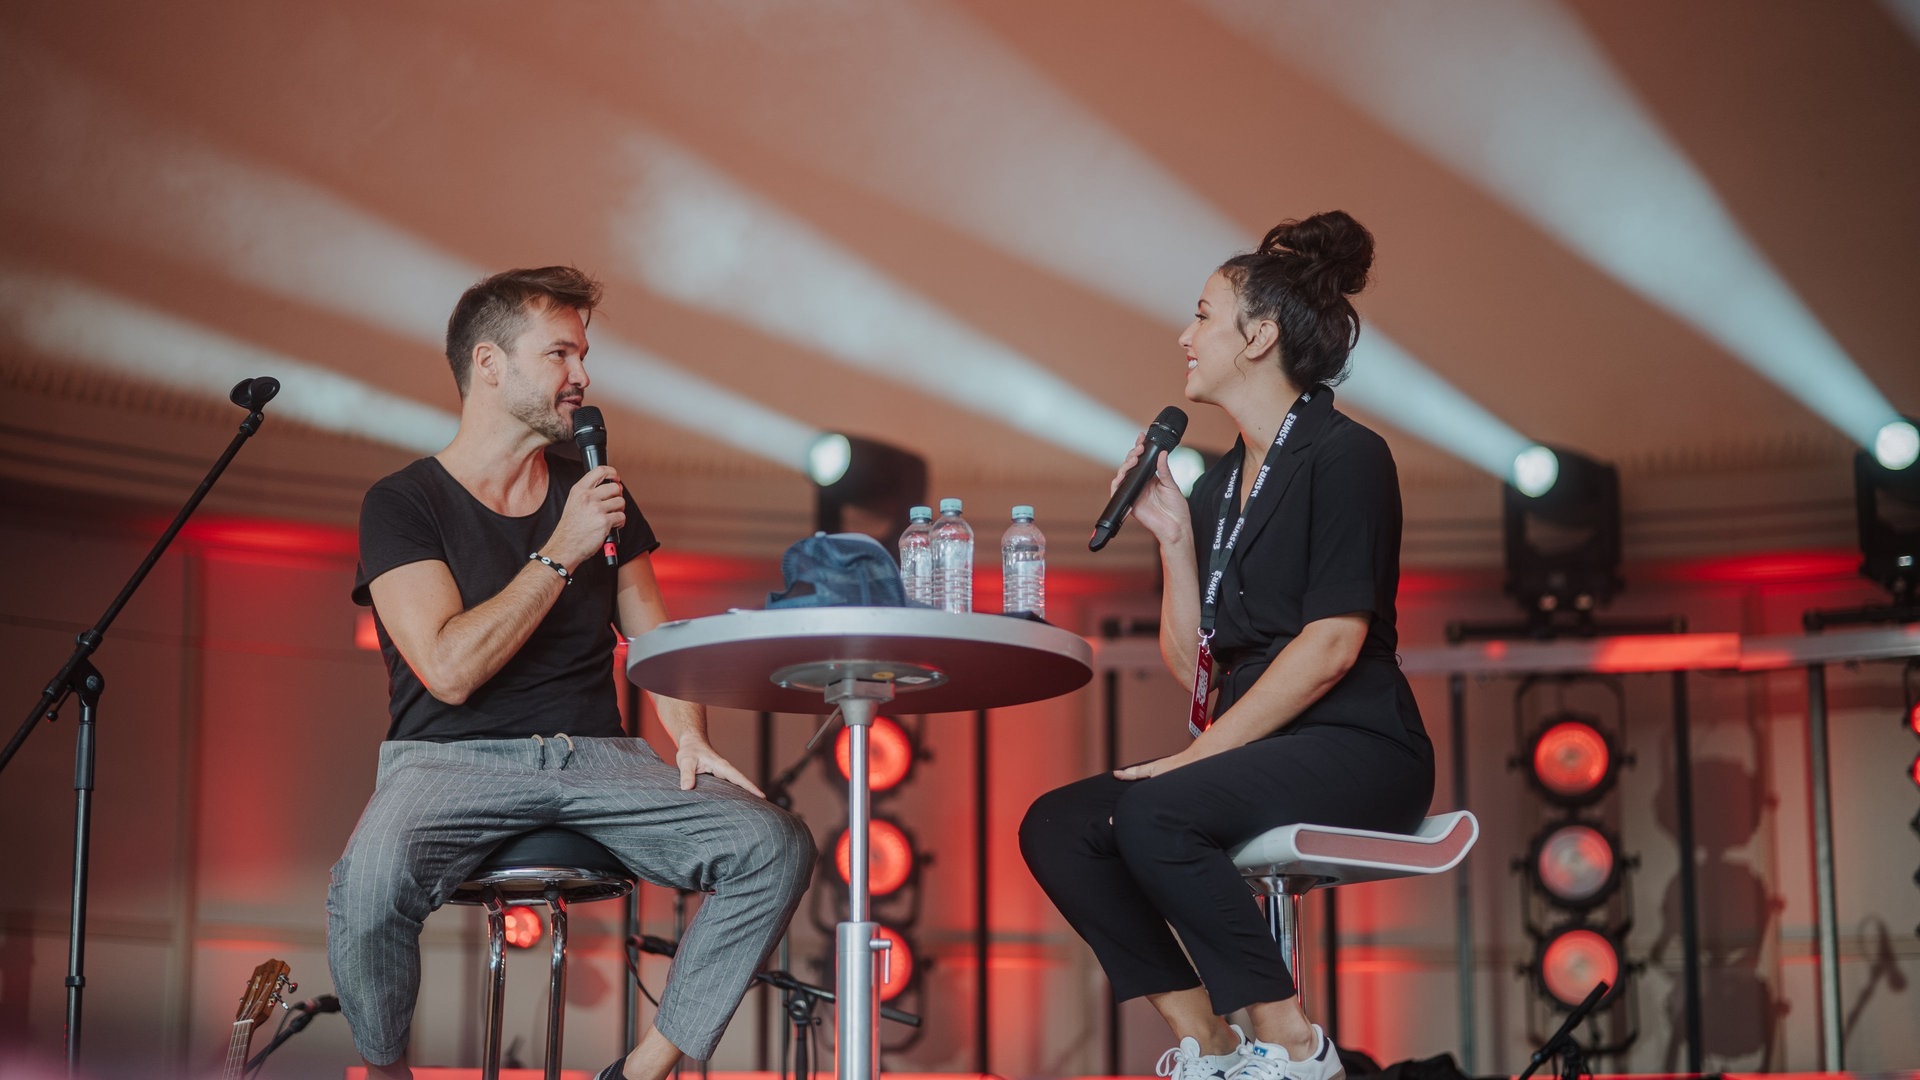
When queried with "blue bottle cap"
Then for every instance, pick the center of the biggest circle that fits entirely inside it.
(949, 506)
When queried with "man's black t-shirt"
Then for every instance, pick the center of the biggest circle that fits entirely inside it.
(561, 680)
(1323, 539)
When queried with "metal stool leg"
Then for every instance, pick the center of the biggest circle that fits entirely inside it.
(557, 988)
(496, 983)
(1283, 896)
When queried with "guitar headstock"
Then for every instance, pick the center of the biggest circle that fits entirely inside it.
(264, 991)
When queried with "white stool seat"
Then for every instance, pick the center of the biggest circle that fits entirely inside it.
(1344, 856)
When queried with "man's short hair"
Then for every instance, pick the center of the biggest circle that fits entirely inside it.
(496, 310)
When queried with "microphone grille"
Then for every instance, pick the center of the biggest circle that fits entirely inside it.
(588, 427)
(1174, 421)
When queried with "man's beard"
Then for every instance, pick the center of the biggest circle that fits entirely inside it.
(542, 417)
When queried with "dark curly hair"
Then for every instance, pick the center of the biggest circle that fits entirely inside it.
(496, 310)
(1300, 278)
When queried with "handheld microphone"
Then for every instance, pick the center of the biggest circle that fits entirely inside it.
(1162, 435)
(590, 435)
(325, 1003)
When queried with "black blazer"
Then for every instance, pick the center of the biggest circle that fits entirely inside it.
(1322, 539)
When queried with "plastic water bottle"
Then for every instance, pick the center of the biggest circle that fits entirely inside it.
(1023, 565)
(952, 559)
(916, 556)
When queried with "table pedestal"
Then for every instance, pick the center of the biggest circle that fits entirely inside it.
(856, 659)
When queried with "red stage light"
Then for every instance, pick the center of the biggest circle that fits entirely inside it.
(889, 857)
(1913, 718)
(1573, 959)
(1574, 864)
(896, 964)
(1572, 761)
(1913, 770)
(524, 927)
(889, 754)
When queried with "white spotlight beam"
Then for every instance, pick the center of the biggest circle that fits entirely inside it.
(1516, 96)
(1028, 169)
(182, 197)
(693, 234)
(74, 321)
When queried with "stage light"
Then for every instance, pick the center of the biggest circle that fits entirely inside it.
(1897, 444)
(1571, 959)
(1575, 865)
(1563, 544)
(848, 470)
(524, 927)
(1887, 512)
(890, 857)
(889, 754)
(1573, 762)
(1534, 471)
(896, 964)
(828, 458)
(1913, 718)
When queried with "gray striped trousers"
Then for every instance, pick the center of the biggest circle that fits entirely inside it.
(438, 808)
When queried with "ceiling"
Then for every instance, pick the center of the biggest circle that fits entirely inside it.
(971, 228)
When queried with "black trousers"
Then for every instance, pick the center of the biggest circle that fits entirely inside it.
(1129, 863)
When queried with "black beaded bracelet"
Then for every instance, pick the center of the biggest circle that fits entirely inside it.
(557, 568)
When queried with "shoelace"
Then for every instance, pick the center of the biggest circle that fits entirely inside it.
(1181, 1065)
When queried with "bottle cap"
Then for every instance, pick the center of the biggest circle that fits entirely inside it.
(1023, 512)
(920, 513)
(949, 506)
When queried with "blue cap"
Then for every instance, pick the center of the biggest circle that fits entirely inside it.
(920, 513)
(949, 506)
(1023, 512)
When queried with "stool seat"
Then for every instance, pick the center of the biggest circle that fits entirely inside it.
(522, 867)
(1284, 864)
(554, 866)
(1345, 856)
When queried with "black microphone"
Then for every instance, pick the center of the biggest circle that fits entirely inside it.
(647, 943)
(253, 394)
(1162, 435)
(325, 1003)
(590, 435)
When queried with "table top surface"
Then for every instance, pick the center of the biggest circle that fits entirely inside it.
(987, 661)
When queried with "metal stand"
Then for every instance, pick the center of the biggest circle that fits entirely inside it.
(857, 659)
(857, 1015)
(79, 678)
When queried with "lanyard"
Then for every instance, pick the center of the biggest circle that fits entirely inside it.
(1198, 716)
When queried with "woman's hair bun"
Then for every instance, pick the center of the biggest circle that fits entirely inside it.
(1327, 255)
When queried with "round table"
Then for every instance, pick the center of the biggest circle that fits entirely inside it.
(862, 661)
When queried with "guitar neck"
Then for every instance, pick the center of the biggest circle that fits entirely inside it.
(237, 1047)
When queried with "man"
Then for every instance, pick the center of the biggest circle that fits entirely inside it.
(493, 600)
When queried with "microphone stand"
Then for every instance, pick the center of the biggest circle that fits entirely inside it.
(79, 678)
(295, 1026)
(1573, 1060)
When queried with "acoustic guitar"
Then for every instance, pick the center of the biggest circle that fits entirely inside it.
(264, 991)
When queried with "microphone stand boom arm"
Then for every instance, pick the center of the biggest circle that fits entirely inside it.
(79, 677)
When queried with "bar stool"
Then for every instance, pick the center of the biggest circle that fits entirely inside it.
(1286, 863)
(553, 866)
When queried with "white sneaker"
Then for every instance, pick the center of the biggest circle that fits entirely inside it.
(1269, 1061)
(1186, 1062)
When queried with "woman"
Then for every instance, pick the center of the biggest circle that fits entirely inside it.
(1282, 567)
